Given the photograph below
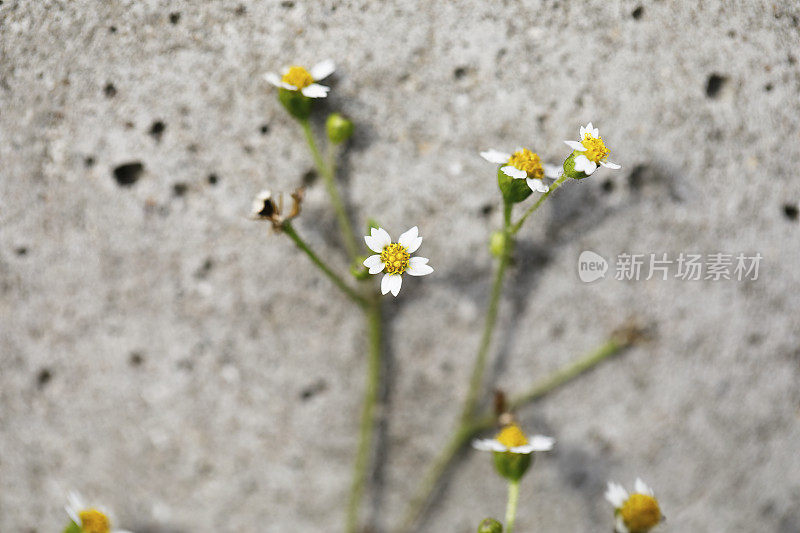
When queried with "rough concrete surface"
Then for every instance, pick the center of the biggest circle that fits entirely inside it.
(170, 358)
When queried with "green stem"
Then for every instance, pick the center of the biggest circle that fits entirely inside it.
(328, 173)
(473, 393)
(289, 230)
(367, 427)
(516, 227)
(511, 506)
(467, 430)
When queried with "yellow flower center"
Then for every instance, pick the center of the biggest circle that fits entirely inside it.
(529, 162)
(640, 513)
(511, 436)
(298, 76)
(395, 257)
(595, 148)
(93, 521)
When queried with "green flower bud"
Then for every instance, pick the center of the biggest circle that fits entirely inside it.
(490, 525)
(339, 128)
(498, 243)
(297, 104)
(512, 466)
(513, 190)
(569, 168)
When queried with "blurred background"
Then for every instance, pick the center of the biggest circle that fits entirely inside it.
(179, 363)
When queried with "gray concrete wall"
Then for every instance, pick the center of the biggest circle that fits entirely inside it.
(169, 357)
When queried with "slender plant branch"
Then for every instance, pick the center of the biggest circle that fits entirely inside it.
(367, 428)
(556, 184)
(476, 380)
(351, 293)
(467, 430)
(511, 506)
(328, 173)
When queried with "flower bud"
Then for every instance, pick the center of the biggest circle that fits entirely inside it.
(569, 168)
(339, 128)
(498, 243)
(512, 466)
(296, 103)
(513, 190)
(490, 525)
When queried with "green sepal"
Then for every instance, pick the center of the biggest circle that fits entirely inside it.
(72, 527)
(297, 104)
(512, 466)
(569, 168)
(490, 525)
(513, 190)
(358, 270)
(372, 223)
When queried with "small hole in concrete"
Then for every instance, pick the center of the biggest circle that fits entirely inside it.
(43, 377)
(21, 251)
(460, 72)
(607, 186)
(714, 85)
(89, 161)
(241, 10)
(174, 17)
(487, 209)
(135, 359)
(638, 12)
(157, 130)
(213, 179)
(768, 87)
(112, 29)
(127, 174)
(109, 90)
(179, 189)
(790, 211)
(309, 177)
(264, 129)
(287, 4)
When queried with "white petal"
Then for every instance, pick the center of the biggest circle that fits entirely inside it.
(553, 171)
(315, 90)
(590, 128)
(616, 494)
(488, 445)
(496, 156)
(642, 488)
(582, 163)
(620, 525)
(322, 70)
(273, 78)
(583, 131)
(525, 449)
(514, 172)
(609, 164)
(590, 168)
(541, 443)
(575, 145)
(418, 266)
(374, 264)
(409, 238)
(395, 281)
(537, 185)
(378, 240)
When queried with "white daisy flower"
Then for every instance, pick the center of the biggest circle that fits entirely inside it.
(512, 439)
(296, 78)
(590, 151)
(524, 164)
(89, 519)
(395, 257)
(634, 513)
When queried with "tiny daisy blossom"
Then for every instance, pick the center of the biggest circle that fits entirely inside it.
(395, 257)
(512, 439)
(634, 513)
(297, 78)
(590, 151)
(523, 164)
(89, 519)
